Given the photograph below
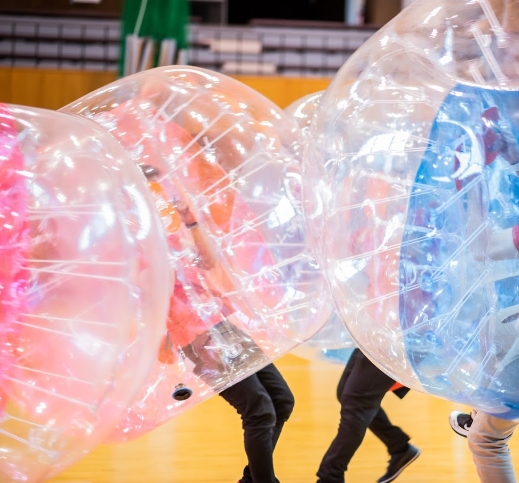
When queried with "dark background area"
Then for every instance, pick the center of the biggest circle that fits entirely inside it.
(107, 8)
(240, 12)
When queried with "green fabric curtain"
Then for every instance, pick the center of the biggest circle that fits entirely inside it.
(158, 19)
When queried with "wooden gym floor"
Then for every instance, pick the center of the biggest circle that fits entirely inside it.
(204, 445)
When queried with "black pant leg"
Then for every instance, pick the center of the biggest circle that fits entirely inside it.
(363, 388)
(281, 397)
(346, 373)
(283, 401)
(392, 436)
(253, 403)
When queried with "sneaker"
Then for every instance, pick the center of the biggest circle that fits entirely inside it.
(460, 422)
(399, 462)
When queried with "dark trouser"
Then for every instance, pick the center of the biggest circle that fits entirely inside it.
(360, 391)
(264, 402)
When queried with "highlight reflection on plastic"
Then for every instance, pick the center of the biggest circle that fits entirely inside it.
(81, 317)
(332, 343)
(246, 287)
(411, 178)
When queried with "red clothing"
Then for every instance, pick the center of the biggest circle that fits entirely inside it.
(135, 125)
(184, 322)
(203, 177)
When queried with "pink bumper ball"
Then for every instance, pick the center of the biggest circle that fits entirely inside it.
(13, 238)
(221, 161)
(94, 295)
(415, 205)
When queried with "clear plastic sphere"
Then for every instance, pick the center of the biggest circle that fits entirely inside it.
(302, 110)
(411, 193)
(92, 298)
(332, 343)
(222, 162)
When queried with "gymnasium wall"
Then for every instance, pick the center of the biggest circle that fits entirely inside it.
(52, 89)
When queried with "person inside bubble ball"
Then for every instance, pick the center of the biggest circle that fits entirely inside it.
(360, 391)
(198, 325)
(488, 435)
(263, 400)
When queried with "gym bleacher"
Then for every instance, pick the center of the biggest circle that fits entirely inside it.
(91, 41)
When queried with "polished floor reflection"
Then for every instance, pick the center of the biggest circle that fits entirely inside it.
(204, 445)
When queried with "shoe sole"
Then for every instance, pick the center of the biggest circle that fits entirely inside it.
(387, 480)
(454, 425)
(458, 433)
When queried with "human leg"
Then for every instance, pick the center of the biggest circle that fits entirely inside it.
(281, 397)
(360, 390)
(283, 401)
(402, 454)
(392, 436)
(488, 439)
(253, 403)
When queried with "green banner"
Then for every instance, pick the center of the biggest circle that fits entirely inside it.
(157, 20)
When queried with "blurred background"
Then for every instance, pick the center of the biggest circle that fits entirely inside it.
(54, 51)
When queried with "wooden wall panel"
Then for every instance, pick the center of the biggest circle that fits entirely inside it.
(26, 88)
(48, 88)
(52, 89)
(285, 90)
(5, 84)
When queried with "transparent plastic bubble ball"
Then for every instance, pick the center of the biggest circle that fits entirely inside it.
(88, 298)
(302, 110)
(332, 343)
(412, 192)
(222, 162)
